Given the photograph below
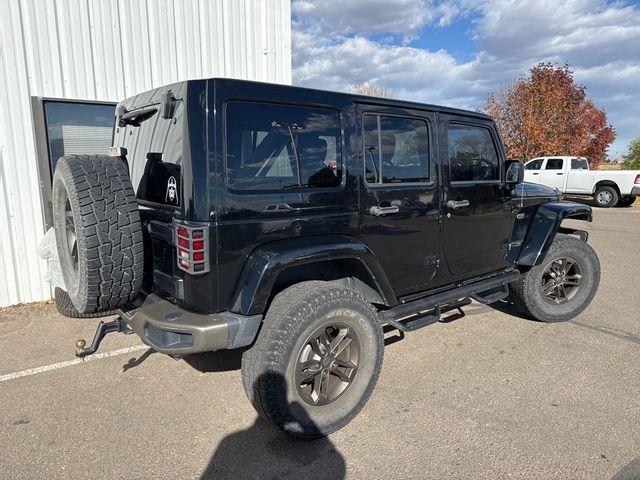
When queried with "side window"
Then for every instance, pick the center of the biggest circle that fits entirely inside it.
(275, 147)
(554, 164)
(533, 165)
(396, 149)
(472, 154)
(155, 157)
(579, 164)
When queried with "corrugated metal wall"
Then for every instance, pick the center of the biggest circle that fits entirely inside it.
(109, 50)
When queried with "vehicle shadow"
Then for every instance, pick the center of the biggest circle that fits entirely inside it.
(630, 471)
(263, 451)
(134, 362)
(218, 361)
(510, 309)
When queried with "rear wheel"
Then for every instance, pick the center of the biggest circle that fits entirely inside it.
(606, 197)
(562, 286)
(316, 360)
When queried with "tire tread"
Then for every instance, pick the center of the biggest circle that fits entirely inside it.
(109, 228)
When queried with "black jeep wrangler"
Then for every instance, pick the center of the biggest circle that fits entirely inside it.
(300, 225)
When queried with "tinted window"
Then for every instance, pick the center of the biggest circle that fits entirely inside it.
(272, 147)
(533, 165)
(472, 154)
(554, 164)
(579, 164)
(78, 128)
(155, 157)
(396, 149)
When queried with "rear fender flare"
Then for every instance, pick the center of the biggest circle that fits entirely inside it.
(261, 269)
(545, 225)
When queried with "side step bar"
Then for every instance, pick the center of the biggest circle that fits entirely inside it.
(484, 291)
(422, 319)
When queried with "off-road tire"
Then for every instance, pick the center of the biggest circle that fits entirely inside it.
(268, 368)
(606, 190)
(65, 307)
(94, 200)
(526, 292)
(626, 201)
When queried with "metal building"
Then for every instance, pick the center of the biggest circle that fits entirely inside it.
(103, 51)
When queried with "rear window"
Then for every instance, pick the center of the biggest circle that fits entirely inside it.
(396, 149)
(579, 164)
(279, 147)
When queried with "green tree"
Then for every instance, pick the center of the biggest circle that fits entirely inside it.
(631, 160)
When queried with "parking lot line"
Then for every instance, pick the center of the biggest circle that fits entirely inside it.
(69, 363)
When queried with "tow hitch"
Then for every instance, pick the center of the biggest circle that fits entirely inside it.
(103, 328)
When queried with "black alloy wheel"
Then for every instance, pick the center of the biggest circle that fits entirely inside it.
(70, 230)
(561, 280)
(316, 360)
(327, 364)
(562, 285)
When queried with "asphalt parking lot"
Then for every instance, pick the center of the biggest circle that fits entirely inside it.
(488, 396)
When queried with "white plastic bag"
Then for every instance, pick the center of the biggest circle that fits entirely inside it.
(47, 250)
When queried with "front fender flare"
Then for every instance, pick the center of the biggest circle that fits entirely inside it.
(544, 227)
(266, 262)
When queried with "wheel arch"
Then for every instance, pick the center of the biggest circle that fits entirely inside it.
(342, 259)
(606, 183)
(544, 227)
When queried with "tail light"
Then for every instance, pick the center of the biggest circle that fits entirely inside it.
(637, 180)
(192, 248)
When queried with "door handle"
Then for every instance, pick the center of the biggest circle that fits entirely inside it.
(377, 211)
(534, 173)
(454, 205)
(560, 173)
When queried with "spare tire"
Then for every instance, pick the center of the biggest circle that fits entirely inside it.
(65, 307)
(98, 232)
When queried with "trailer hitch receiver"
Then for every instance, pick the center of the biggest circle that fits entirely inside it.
(103, 328)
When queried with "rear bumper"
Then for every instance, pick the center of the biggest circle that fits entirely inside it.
(170, 329)
(635, 191)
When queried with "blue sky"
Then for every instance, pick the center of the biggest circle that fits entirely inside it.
(455, 38)
(456, 52)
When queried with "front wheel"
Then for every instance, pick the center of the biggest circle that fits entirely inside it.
(562, 286)
(316, 360)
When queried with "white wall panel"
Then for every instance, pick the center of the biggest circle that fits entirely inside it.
(109, 50)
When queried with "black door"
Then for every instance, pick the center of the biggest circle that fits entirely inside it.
(477, 216)
(399, 193)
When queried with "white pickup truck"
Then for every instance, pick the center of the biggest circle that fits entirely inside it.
(571, 176)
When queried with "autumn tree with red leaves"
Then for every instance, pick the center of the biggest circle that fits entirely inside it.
(548, 114)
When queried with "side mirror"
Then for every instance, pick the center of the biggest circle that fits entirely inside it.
(514, 172)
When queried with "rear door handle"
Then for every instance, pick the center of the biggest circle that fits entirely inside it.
(534, 173)
(454, 205)
(377, 211)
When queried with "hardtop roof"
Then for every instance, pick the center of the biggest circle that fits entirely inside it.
(152, 96)
(392, 102)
